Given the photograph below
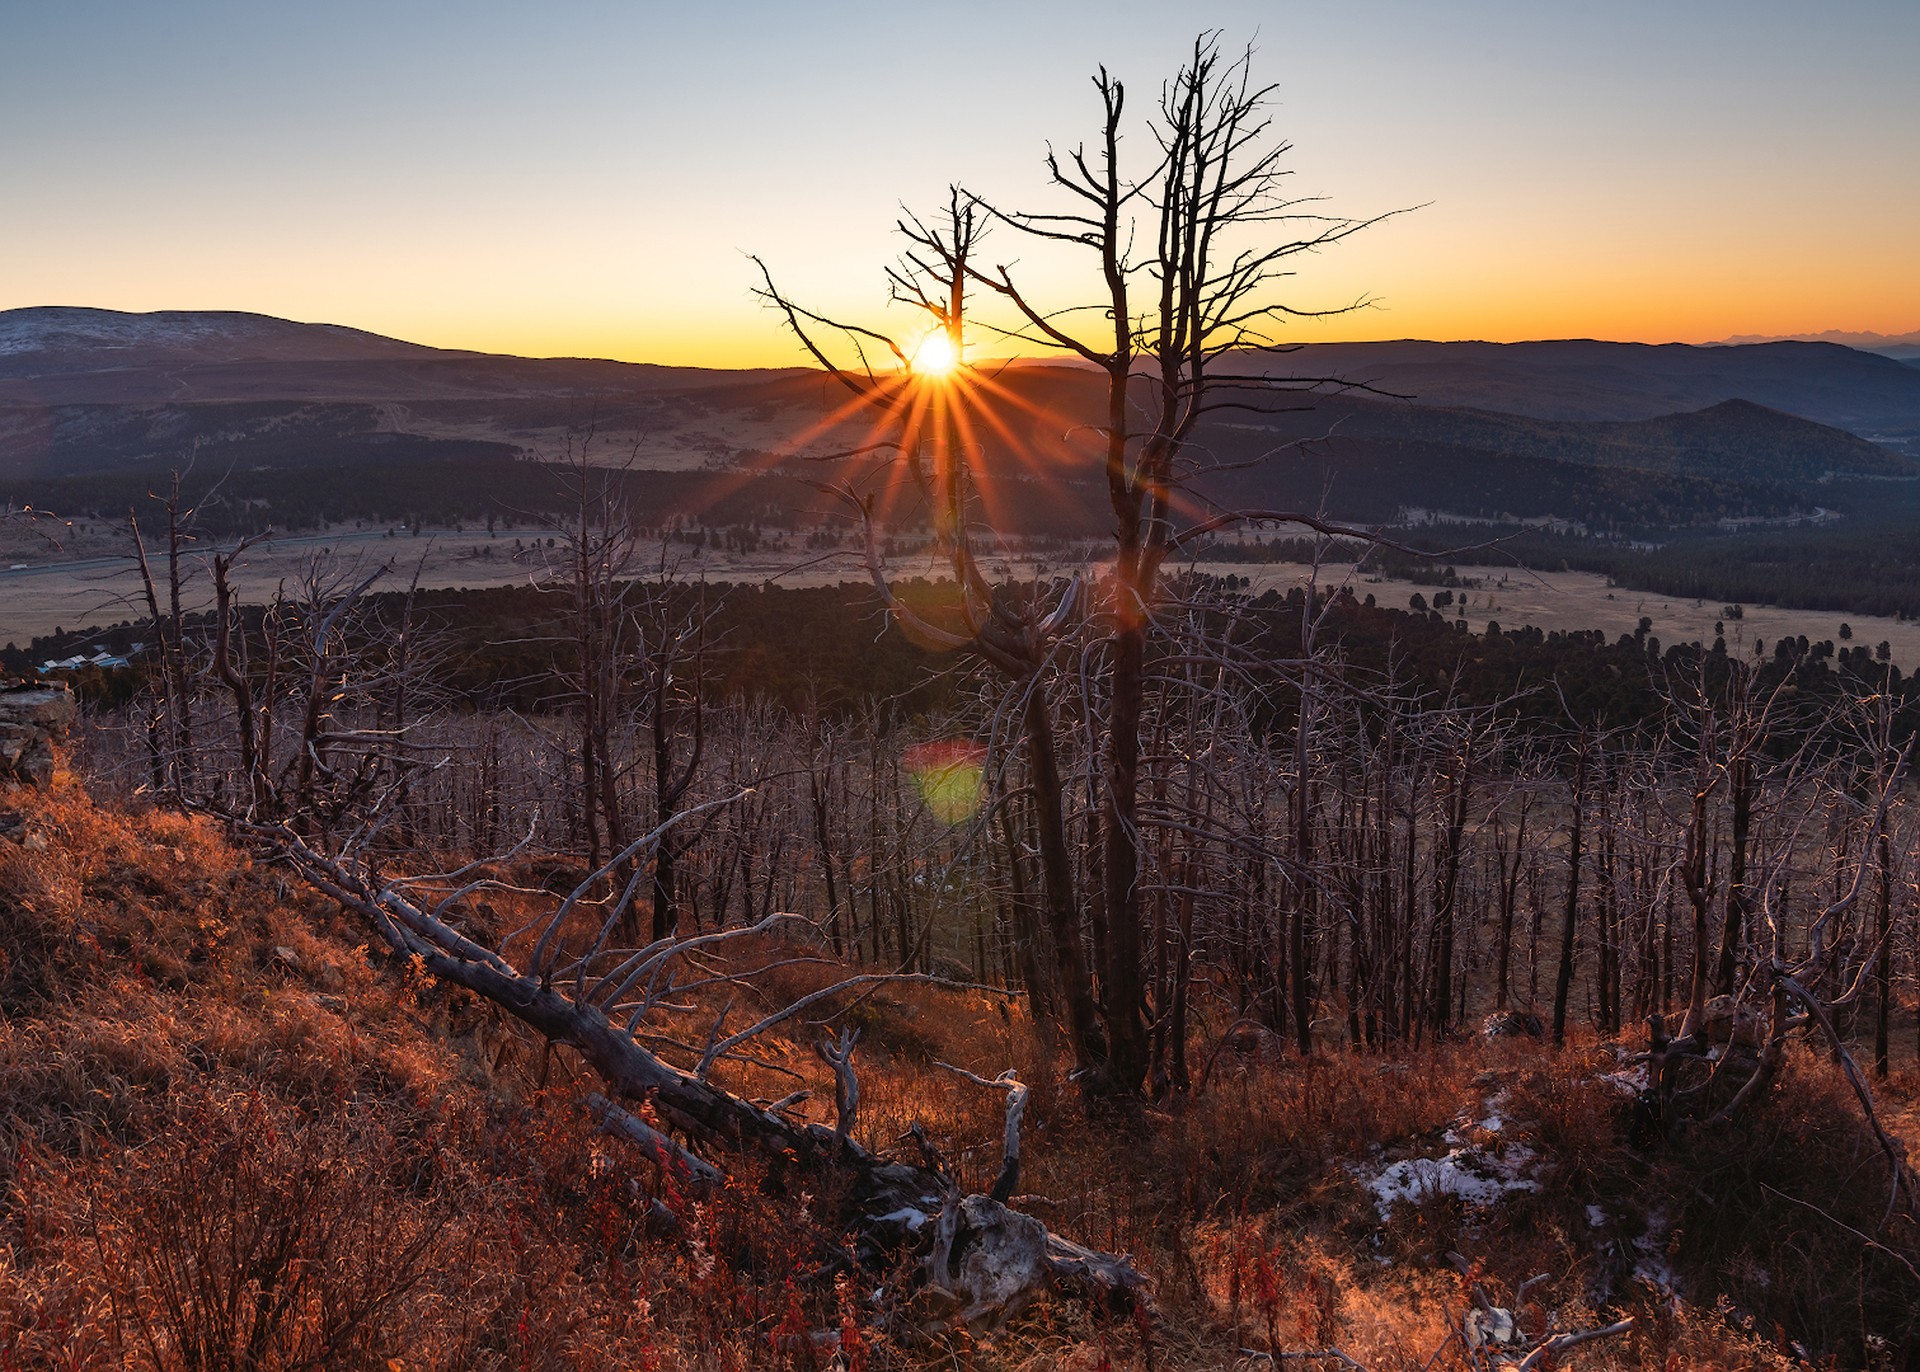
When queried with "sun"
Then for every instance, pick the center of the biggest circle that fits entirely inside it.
(936, 355)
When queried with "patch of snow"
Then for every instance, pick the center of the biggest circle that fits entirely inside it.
(906, 1215)
(1596, 1217)
(1650, 1263)
(1476, 1176)
(1492, 1122)
(1631, 1081)
(1479, 1174)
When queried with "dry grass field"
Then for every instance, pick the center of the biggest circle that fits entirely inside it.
(1585, 600)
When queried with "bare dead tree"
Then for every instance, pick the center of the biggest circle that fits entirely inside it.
(1190, 253)
(670, 662)
(1570, 910)
(231, 666)
(337, 760)
(1017, 635)
(170, 722)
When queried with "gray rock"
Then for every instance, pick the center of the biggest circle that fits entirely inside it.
(1512, 1024)
(32, 717)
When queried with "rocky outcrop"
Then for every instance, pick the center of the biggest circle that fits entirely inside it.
(32, 716)
(1512, 1024)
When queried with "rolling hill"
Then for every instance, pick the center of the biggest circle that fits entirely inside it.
(1582, 379)
(313, 422)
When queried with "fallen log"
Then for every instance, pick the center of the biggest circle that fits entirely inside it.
(891, 1209)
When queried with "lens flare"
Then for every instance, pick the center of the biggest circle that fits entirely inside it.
(948, 775)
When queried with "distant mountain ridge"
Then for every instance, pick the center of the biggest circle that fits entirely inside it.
(1612, 435)
(1905, 346)
(1586, 379)
(68, 355)
(1735, 440)
(51, 338)
(53, 355)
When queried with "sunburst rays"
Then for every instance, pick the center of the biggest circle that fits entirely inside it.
(1013, 436)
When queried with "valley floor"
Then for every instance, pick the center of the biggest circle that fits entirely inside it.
(90, 581)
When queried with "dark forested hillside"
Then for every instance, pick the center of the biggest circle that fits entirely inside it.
(294, 466)
(1591, 380)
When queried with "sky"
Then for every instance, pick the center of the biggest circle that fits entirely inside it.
(582, 178)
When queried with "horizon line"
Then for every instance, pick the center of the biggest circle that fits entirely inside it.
(1831, 336)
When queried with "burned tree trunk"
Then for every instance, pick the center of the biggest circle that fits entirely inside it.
(1563, 981)
(1454, 800)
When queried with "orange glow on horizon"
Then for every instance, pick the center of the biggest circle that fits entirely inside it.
(1703, 314)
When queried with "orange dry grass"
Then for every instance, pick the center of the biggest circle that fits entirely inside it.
(231, 1132)
(232, 1136)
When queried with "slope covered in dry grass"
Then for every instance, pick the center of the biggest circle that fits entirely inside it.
(232, 1135)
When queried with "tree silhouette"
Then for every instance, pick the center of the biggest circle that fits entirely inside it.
(1186, 256)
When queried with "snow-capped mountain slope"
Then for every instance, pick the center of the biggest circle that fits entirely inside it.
(52, 339)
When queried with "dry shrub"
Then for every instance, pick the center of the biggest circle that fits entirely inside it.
(1579, 1124)
(244, 1240)
(250, 1236)
(1575, 1115)
(435, 1235)
(1274, 1288)
(1784, 1215)
(1266, 1134)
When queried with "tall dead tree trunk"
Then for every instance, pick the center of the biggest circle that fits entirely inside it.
(1696, 871)
(672, 667)
(1883, 958)
(1298, 915)
(1454, 797)
(1746, 734)
(1563, 979)
(1056, 879)
(596, 548)
(230, 665)
(1509, 899)
(170, 725)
